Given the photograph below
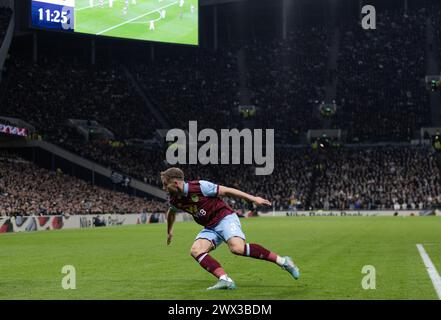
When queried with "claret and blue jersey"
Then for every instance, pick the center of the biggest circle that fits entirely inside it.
(200, 199)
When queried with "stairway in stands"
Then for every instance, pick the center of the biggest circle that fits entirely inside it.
(331, 78)
(244, 91)
(154, 111)
(433, 68)
(317, 171)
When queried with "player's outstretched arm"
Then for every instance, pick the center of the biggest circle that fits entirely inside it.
(171, 216)
(231, 192)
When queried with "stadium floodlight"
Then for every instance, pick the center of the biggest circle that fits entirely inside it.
(327, 110)
(433, 83)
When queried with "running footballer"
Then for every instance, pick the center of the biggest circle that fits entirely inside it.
(202, 200)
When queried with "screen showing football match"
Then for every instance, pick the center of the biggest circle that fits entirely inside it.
(171, 21)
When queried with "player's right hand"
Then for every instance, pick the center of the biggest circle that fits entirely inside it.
(169, 238)
(261, 201)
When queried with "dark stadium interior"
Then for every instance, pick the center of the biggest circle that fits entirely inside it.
(134, 90)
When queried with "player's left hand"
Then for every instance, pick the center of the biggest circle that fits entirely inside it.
(261, 201)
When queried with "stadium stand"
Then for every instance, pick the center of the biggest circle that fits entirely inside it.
(287, 79)
(282, 75)
(378, 178)
(380, 94)
(203, 87)
(348, 178)
(26, 189)
(100, 94)
(381, 72)
(147, 164)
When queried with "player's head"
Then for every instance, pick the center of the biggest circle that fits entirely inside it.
(172, 179)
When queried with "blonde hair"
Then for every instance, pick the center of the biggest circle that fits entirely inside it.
(173, 173)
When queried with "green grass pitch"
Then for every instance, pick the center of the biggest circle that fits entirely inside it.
(180, 25)
(133, 262)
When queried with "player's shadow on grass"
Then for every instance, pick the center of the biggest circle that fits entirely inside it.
(265, 286)
(276, 292)
(257, 290)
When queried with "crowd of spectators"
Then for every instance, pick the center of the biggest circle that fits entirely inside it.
(380, 96)
(381, 178)
(287, 78)
(202, 87)
(49, 93)
(378, 178)
(26, 189)
(291, 176)
(381, 91)
(283, 75)
(140, 163)
(342, 178)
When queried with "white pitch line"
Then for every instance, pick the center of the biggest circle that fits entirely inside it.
(136, 18)
(431, 270)
(79, 9)
(145, 22)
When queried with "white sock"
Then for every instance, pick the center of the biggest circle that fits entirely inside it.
(280, 261)
(226, 278)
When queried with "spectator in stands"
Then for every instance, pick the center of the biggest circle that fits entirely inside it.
(378, 178)
(32, 190)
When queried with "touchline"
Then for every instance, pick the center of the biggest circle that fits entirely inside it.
(233, 144)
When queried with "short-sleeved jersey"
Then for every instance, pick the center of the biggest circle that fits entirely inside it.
(200, 199)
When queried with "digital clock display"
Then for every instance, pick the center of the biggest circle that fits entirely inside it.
(53, 14)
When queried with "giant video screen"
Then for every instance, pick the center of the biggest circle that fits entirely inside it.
(171, 21)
